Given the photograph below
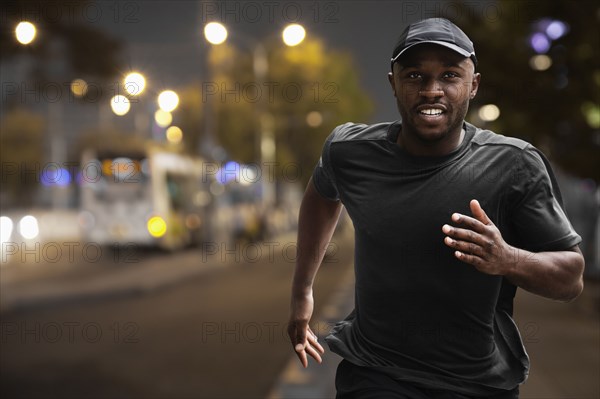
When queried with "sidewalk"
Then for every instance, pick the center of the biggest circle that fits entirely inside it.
(24, 286)
(69, 285)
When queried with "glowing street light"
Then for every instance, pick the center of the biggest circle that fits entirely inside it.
(120, 105)
(134, 83)
(25, 32)
(540, 62)
(163, 118)
(174, 134)
(489, 113)
(215, 33)
(168, 100)
(79, 87)
(293, 34)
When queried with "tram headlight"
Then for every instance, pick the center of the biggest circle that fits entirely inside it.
(157, 227)
(28, 227)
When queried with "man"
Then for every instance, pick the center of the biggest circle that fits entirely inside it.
(449, 220)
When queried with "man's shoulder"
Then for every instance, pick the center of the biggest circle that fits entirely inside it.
(359, 131)
(490, 139)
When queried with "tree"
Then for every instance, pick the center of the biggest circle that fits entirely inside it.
(66, 47)
(556, 108)
(21, 153)
(88, 50)
(302, 80)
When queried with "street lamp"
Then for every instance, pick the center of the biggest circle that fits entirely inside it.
(134, 83)
(292, 35)
(174, 134)
(168, 100)
(215, 33)
(25, 32)
(120, 105)
(163, 118)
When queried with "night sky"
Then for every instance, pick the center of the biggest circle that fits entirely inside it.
(164, 39)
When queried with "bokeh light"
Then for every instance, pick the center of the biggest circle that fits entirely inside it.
(215, 33)
(174, 134)
(539, 43)
(120, 105)
(163, 118)
(28, 227)
(293, 34)
(6, 228)
(79, 87)
(489, 112)
(157, 227)
(168, 100)
(55, 177)
(556, 29)
(25, 32)
(314, 119)
(540, 62)
(134, 83)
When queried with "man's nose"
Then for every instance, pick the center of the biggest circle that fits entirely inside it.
(431, 89)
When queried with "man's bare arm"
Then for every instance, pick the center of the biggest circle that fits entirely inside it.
(316, 224)
(555, 274)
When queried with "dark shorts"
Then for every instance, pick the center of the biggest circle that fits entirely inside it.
(355, 382)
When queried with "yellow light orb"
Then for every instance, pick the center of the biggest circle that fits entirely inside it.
(168, 100)
(314, 119)
(293, 34)
(174, 134)
(489, 113)
(157, 227)
(134, 83)
(79, 87)
(120, 105)
(215, 33)
(163, 118)
(540, 62)
(25, 32)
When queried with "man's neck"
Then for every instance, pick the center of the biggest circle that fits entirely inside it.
(416, 147)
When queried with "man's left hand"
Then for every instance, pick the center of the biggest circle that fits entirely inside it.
(478, 242)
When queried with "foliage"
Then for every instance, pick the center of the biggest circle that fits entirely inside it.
(302, 79)
(549, 107)
(21, 153)
(66, 46)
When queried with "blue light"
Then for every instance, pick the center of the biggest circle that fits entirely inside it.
(55, 177)
(230, 171)
(556, 29)
(540, 43)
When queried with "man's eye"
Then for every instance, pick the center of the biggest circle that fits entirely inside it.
(414, 75)
(450, 75)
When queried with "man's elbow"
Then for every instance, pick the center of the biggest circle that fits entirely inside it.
(574, 292)
(576, 287)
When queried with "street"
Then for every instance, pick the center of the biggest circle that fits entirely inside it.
(218, 335)
(221, 334)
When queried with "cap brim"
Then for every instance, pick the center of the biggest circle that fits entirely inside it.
(451, 46)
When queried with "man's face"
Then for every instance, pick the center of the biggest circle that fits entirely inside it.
(433, 86)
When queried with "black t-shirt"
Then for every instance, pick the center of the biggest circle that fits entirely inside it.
(420, 314)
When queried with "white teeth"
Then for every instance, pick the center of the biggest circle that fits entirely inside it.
(431, 111)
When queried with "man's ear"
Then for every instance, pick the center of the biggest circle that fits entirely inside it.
(475, 85)
(391, 80)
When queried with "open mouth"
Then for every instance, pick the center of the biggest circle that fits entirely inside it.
(431, 112)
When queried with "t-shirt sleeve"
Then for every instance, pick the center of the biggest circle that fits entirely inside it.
(538, 216)
(323, 176)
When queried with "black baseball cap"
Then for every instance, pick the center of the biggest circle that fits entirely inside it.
(437, 31)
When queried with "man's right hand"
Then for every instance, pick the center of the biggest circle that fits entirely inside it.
(303, 339)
